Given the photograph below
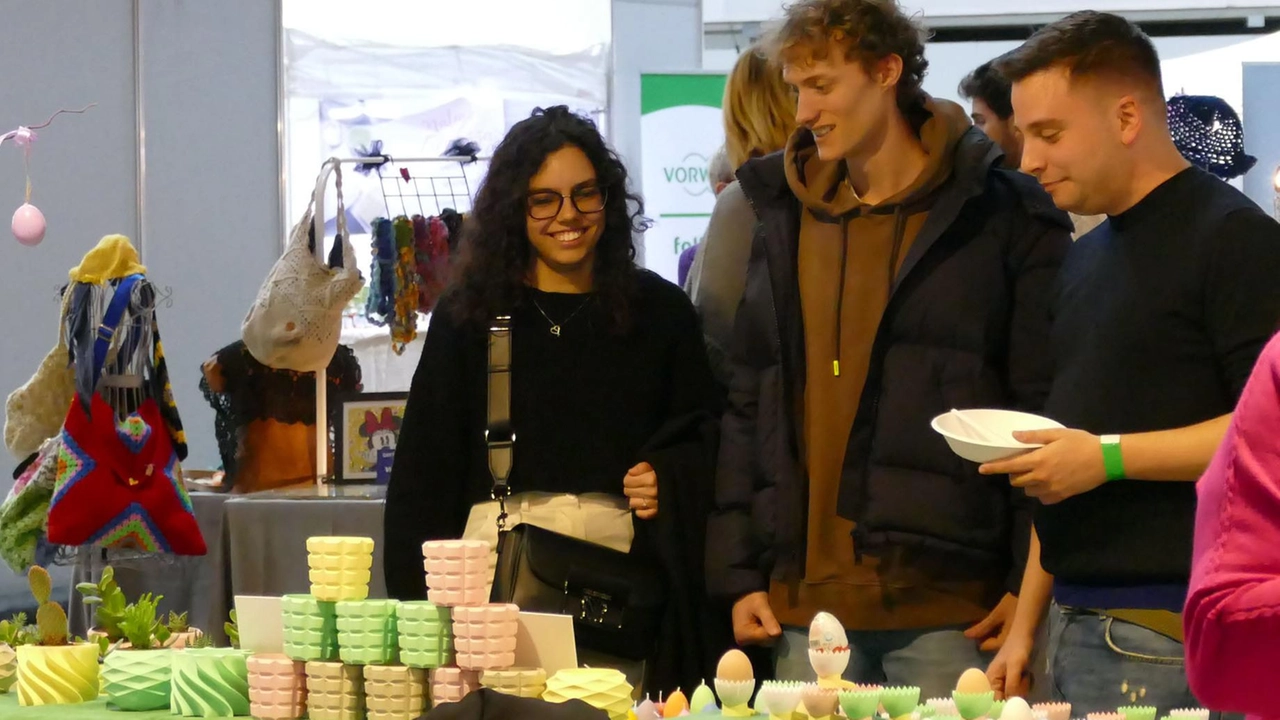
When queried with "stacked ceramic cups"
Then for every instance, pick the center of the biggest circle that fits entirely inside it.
(485, 636)
(458, 576)
(334, 691)
(425, 632)
(526, 683)
(367, 632)
(457, 571)
(310, 628)
(277, 688)
(394, 692)
(339, 567)
(451, 684)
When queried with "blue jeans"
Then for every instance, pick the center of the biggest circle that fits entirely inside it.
(1098, 663)
(931, 658)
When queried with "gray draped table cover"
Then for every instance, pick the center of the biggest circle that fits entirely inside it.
(257, 545)
(268, 534)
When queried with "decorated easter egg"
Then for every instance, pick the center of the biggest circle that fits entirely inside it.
(826, 634)
(828, 646)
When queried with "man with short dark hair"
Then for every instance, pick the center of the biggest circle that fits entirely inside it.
(897, 271)
(992, 111)
(988, 93)
(1159, 316)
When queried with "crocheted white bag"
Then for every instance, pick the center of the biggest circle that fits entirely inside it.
(34, 412)
(295, 322)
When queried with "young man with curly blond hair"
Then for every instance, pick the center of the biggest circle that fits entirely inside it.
(898, 270)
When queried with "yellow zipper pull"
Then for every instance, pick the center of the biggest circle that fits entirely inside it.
(835, 367)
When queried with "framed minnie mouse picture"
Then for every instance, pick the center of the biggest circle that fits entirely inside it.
(366, 434)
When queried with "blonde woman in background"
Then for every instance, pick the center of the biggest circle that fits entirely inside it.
(759, 116)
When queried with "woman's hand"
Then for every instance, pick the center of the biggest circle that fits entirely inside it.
(641, 486)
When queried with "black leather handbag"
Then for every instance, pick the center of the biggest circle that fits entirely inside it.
(616, 599)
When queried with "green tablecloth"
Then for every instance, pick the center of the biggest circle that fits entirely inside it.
(96, 710)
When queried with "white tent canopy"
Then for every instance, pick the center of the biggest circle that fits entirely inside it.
(319, 68)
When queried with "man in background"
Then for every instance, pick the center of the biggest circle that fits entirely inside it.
(988, 96)
(719, 175)
(1159, 315)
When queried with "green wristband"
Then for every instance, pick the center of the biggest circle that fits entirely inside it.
(1112, 459)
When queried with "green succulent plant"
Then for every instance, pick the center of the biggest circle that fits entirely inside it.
(108, 603)
(201, 641)
(178, 623)
(233, 631)
(51, 619)
(140, 626)
(15, 631)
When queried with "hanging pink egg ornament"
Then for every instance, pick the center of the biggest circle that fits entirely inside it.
(28, 222)
(28, 225)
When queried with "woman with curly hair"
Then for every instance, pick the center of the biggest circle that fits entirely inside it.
(611, 398)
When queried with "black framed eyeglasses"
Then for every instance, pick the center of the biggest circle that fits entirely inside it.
(545, 204)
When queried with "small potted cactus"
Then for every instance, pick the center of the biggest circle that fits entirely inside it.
(54, 671)
(138, 677)
(107, 601)
(14, 633)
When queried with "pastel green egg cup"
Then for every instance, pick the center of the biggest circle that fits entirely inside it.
(899, 701)
(859, 704)
(1136, 712)
(972, 706)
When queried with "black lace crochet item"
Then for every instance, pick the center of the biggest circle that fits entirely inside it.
(252, 391)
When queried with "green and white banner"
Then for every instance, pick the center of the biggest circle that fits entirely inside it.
(681, 127)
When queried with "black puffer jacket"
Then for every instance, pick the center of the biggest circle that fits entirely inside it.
(966, 326)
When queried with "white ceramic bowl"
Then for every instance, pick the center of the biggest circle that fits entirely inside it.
(1000, 423)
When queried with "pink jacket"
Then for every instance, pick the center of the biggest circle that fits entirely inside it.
(1232, 616)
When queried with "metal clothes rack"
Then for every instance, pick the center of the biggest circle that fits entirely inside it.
(432, 193)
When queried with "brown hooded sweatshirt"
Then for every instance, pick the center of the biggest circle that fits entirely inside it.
(849, 254)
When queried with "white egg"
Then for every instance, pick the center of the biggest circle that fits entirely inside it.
(1016, 709)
